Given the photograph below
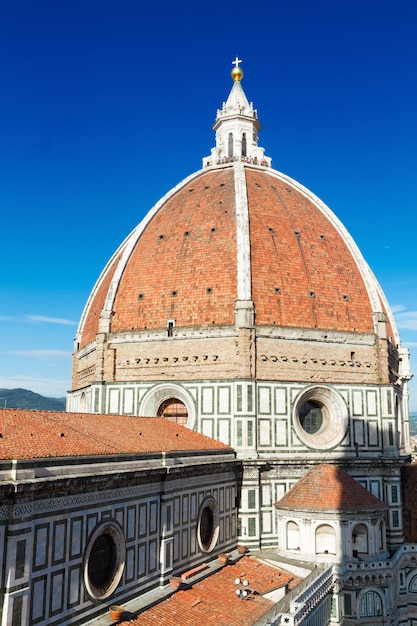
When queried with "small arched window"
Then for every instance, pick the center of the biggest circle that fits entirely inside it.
(83, 403)
(360, 539)
(173, 410)
(293, 536)
(325, 539)
(244, 144)
(371, 604)
(230, 145)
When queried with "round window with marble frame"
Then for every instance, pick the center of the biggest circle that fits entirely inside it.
(161, 392)
(106, 544)
(320, 417)
(208, 525)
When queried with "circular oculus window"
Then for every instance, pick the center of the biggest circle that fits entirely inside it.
(320, 417)
(104, 560)
(208, 525)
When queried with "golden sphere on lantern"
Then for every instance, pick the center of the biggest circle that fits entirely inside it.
(237, 73)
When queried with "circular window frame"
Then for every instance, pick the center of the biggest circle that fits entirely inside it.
(153, 399)
(116, 534)
(335, 418)
(208, 546)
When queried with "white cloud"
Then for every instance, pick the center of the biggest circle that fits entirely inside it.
(406, 320)
(42, 354)
(397, 308)
(38, 319)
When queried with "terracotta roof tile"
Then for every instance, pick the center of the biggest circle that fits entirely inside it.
(187, 248)
(213, 601)
(37, 434)
(329, 488)
(295, 248)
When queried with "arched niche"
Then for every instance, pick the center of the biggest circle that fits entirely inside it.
(360, 539)
(293, 536)
(325, 539)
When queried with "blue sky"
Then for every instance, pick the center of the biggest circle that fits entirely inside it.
(107, 104)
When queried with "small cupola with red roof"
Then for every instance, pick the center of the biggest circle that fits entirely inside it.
(329, 517)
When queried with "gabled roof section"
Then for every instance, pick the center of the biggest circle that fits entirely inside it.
(329, 488)
(38, 434)
(213, 600)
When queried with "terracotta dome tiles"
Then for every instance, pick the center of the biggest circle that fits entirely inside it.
(303, 273)
(96, 305)
(184, 264)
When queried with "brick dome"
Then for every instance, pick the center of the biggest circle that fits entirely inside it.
(248, 271)
(236, 232)
(237, 243)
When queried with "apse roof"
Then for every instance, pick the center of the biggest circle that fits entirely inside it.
(328, 487)
(28, 434)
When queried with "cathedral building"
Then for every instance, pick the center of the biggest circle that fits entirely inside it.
(240, 308)
(93, 513)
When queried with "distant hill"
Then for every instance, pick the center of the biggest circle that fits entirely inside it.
(25, 399)
(413, 423)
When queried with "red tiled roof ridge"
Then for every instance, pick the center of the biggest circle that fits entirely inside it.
(29, 434)
(204, 602)
(327, 487)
